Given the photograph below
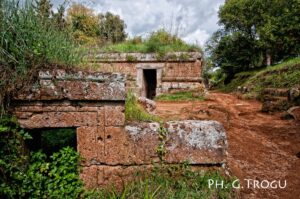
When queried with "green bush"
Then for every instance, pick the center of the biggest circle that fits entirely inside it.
(34, 175)
(12, 157)
(57, 178)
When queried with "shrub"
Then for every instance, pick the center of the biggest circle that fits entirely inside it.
(35, 176)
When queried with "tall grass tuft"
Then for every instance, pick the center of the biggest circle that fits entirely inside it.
(29, 42)
(172, 181)
(134, 112)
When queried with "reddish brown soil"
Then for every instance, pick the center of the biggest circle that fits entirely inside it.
(261, 146)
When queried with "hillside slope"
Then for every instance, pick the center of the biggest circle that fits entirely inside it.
(283, 75)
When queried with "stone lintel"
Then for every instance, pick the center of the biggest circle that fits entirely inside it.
(75, 86)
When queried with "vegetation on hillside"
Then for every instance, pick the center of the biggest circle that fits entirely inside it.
(255, 34)
(157, 42)
(283, 75)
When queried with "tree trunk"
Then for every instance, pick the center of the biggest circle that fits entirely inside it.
(269, 59)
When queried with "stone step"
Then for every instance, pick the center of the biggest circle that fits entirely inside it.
(266, 98)
(275, 106)
(280, 92)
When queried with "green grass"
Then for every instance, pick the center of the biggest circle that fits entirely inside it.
(134, 111)
(27, 43)
(171, 182)
(283, 75)
(180, 96)
(158, 42)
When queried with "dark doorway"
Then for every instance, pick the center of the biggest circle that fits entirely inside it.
(150, 83)
(51, 140)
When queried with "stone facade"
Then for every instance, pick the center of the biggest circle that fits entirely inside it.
(113, 152)
(174, 71)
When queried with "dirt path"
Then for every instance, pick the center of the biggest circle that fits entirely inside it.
(261, 146)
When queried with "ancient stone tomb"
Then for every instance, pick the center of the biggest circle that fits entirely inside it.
(149, 75)
(113, 152)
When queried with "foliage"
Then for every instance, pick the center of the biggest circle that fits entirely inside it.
(180, 96)
(90, 28)
(12, 158)
(284, 75)
(112, 28)
(34, 176)
(56, 178)
(234, 53)
(159, 42)
(43, 8)
(167, 181)
(254, 34)
(134, 112)
(28, 42)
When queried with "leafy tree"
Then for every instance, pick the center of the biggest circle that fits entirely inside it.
(255, 33)
(273, 23)
(88, 27)
(234, 52)
(44, 8)
(82, 19)
(58, 18)
(112, 28)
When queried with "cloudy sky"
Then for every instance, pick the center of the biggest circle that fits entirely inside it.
(194, 20)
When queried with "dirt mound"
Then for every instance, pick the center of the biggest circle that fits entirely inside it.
(261, 146)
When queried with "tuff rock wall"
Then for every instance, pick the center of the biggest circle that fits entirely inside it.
(113, 151)
(175, 71)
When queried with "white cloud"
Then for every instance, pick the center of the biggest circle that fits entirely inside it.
(198, 37)
(197, 19)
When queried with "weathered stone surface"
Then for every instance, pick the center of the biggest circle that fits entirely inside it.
(198, 142)
(114, 116)
(86, 143)
(56, 119)
(295, 112)
(182, 69)
(294, 93)
(62, 85)
(119, 176)
(89, 176)
(148, 104)
(169, 87)
(112, 152)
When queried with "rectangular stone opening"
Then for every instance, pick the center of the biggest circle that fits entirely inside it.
(150, 82)
(51, 140)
